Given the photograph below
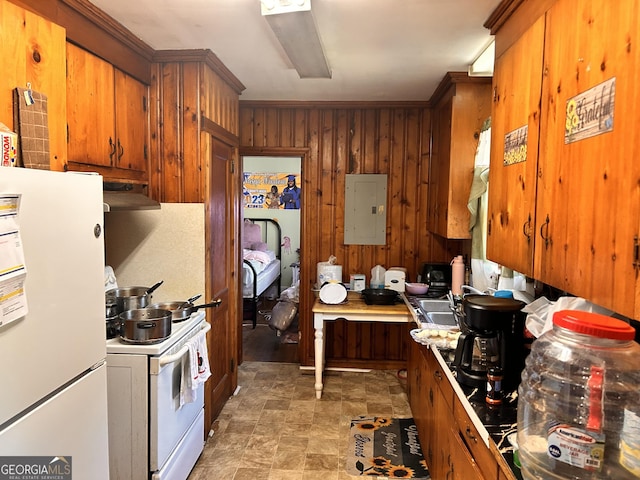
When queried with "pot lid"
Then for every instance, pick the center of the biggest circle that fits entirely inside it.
(491, 303)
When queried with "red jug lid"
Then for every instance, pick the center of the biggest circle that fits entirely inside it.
(594, 324)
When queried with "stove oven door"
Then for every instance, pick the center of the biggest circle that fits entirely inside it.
(171, 425)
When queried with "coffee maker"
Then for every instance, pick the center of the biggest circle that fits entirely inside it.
(492, 336)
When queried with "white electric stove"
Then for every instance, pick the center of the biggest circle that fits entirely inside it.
(152, 436)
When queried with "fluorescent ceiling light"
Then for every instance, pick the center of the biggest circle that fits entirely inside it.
(294, 25)
(483, 65)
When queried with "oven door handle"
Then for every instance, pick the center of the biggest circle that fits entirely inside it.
(159, 362)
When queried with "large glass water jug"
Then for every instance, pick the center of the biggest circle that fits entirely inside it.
(579, 401)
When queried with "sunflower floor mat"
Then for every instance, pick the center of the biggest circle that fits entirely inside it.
(385, 447)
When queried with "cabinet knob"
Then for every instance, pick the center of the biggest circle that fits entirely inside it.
(471, 436)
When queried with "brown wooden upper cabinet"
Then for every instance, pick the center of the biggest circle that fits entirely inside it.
(107, 119)
(517, 85)
(569, 211)
(461, 106)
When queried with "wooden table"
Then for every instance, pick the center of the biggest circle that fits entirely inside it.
(354, 310)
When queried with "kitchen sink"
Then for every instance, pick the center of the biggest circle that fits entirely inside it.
(438, 312)
(442, 318)
(434, 305)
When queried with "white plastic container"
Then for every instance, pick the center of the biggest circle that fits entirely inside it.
(377, 277)
(328, 272)
(579, 399)
(394, 280)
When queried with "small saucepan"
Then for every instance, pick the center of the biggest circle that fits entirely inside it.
(145, 325)
(182, 310)
(132, 298)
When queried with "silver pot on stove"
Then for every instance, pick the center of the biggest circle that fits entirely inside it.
(182, 310)
(132, 298)
(145, 325)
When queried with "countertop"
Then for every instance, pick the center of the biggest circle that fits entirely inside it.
(355, 304)
(493, 424)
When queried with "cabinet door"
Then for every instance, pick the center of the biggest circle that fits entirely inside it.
(441, 419)
(34, 49)
(461, 464)
(90, 109)
(589, 179)
(476, 448)
(439, 168)
(131, 123)
(418, 386)
(512, 187)
(457, 120)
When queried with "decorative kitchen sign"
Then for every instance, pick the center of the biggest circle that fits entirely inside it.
(590, 113)
(515, 146)
(271, 190)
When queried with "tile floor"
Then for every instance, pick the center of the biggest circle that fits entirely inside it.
(275, 429)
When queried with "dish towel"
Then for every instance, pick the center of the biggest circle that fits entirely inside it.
(31, 122)
(196, 369)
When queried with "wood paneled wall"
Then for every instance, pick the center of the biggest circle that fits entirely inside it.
(352, 138)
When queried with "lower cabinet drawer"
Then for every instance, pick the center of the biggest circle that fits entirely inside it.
(479, 450)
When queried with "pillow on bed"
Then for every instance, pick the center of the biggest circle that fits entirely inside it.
(260, 246)
(251, 234)
(264, 257)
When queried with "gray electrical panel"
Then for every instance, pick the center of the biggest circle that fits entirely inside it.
(365, 209)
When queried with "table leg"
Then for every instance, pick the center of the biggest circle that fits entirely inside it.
(319, 360)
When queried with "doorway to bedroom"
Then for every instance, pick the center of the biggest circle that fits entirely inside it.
(272, 204)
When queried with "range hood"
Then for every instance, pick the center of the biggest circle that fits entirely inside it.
(126, 196)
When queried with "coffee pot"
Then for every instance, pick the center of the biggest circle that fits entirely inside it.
(475, 354)
(492, 336)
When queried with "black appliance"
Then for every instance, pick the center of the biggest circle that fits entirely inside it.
(438, 277)
(492, 336)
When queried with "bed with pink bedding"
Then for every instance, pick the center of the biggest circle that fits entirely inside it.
(261, 244)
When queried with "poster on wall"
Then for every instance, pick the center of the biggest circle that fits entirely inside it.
(271, 190)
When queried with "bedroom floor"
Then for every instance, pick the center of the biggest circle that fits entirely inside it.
(262, 344)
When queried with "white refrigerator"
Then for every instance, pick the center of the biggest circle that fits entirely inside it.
(53, 400)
